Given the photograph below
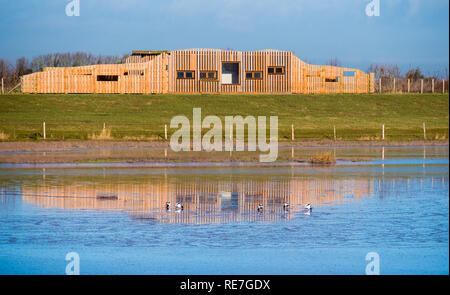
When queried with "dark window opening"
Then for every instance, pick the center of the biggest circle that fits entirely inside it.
(108, 78)
(230, 73)
(275, 70)
(208, 75)
(185, 75)
(253, 75)
(331, 79)
(125, 74)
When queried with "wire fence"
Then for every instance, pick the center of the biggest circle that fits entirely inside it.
(149, 132)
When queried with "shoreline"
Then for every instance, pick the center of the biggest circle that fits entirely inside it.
(67, 154)
(150, 165)
(80, 145)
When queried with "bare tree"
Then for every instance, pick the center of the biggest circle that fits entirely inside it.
(334, 62)
(22, 67)
(414, 74)
(73, 60)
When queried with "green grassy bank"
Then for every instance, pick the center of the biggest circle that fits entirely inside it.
(142, 117)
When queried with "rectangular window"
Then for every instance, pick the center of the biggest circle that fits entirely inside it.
(275, 70)
(107, 78)
(331, 79)
(136, 72)
(230, 73)
(349, 73)
(208, 75)
(253, 75)
(185, 74)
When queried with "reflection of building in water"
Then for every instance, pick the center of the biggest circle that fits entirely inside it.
(204, 201)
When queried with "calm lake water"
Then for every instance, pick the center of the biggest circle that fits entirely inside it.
(115, 218)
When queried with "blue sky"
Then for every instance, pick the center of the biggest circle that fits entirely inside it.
(408, 32)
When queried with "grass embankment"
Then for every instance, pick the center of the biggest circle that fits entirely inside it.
(142, 117)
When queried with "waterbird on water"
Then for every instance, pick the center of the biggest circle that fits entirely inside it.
(178, 206)
(286, 206)
(260, 208)
(308, 207)
(168, 205)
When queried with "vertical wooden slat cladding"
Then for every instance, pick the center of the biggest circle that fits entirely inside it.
(207, 61)
(185, 60)
(158, 74)
(308, 78)
(146, 77)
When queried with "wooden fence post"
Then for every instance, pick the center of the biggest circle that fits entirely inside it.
(421, 86)
(231, 140)
(432, 85)
(383, 132)
(424, 131)
(409, 85)
(393, 89)
(379, 83)
(292, 132)
(43, 128)
(334, 129)
(165, 131)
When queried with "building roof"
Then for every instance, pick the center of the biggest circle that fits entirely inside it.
(148, 52)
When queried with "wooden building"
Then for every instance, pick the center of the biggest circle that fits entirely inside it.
(202, 71)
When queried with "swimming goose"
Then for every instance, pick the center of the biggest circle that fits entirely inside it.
(308, 207)
(286, 206)
(260, 207)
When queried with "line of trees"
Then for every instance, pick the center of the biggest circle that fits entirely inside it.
(392, 80)
(11, 72)
(393, 71)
